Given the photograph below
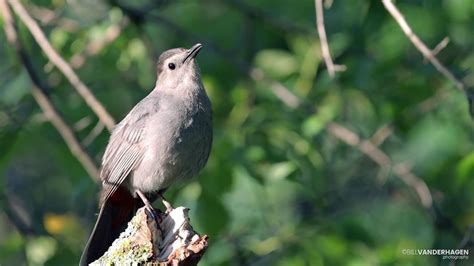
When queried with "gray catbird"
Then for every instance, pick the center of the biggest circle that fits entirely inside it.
(166, 137)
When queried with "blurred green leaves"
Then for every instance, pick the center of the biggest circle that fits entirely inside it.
(11, 246)
(278, 64)
(212, 215)
(14, 90)
(278, 188)
(459, 10)
(328, 109)
(40, 249)
(433, 141)
(465, 169)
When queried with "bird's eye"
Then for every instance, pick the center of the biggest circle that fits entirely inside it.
(171, 66)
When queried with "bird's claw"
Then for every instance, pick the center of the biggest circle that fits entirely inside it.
(152, 212)
(168, 206)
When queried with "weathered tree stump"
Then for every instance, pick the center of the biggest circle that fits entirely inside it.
(173, 242)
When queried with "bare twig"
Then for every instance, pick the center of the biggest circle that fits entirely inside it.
(382, 159)
(96, 45)
(16, 212)
(328, 3)
(438, 48)
(365, 146)
(392, 9)
(466, 240)
(467, 236)
(332, 68)
(38, 91)
(93, 134)
(381, 135)
(68, 135)
(278, 89)
(403, 171)
(82, 123)
(430, 103)
(49, 17)
(62, 65)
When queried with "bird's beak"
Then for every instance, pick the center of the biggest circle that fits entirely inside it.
(192, 52)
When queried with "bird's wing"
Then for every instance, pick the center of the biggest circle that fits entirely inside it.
(125, 150)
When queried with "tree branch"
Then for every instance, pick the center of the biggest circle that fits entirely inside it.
(62, 65)
(280, 91)
(381, 158)
(38, 91)
(438, 48)
(96, 45)
(332, 68)
(93, 134)
(427, 53)
(466, 240)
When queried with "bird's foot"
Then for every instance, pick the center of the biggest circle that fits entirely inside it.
(151, 211)
(168, 206)
(150, 208)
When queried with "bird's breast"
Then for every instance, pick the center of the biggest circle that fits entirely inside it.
(178, 146)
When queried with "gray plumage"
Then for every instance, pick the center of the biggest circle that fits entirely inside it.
(165, 138)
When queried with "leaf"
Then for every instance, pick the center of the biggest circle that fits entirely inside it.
(12, 243)
(328, 110)
(459, 10)
(16, 89)
(40, 249)
(432, 142)
(277, 63)
(281, 170)
(212, 215)
(465, 169)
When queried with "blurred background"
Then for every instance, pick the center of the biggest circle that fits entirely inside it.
(305, 169)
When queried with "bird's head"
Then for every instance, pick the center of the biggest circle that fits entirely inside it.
(177, 66)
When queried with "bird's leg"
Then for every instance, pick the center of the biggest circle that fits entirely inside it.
(148, 205)
(166, 203)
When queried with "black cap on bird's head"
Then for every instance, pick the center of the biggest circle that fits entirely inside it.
(175, 64)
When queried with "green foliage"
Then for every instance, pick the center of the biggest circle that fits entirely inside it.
(279, 188)
(39, 250)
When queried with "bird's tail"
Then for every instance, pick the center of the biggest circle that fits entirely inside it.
(113, 217)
